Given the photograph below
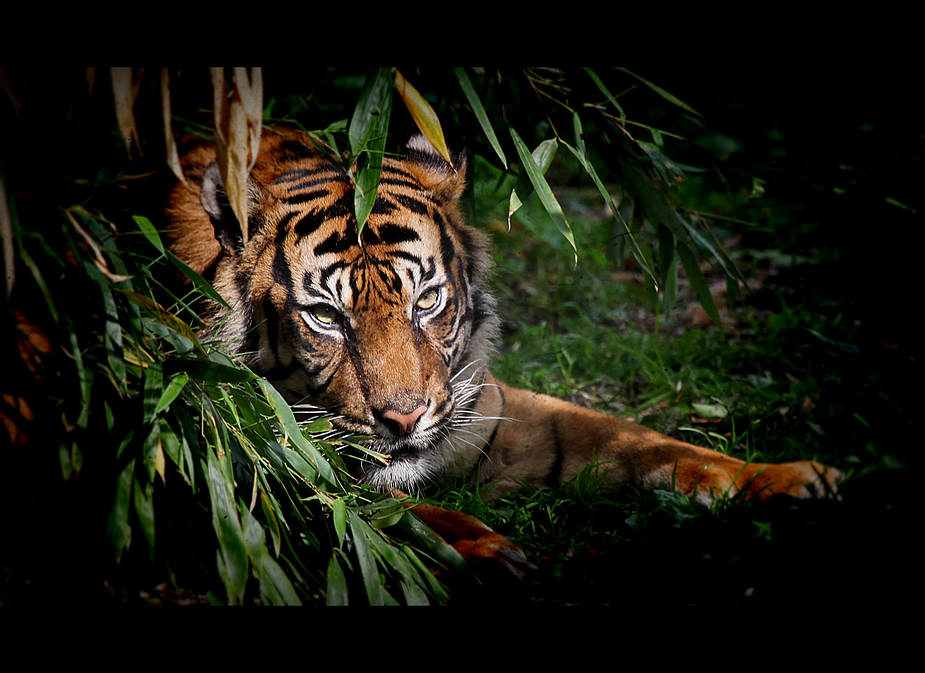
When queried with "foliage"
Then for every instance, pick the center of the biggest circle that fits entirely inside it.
(268, 509)
(141, 455)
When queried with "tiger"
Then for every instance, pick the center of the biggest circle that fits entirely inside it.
(389, 333)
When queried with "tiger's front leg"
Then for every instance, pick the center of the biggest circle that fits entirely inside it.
(549, 440)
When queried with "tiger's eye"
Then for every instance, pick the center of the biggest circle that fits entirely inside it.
(428, 300)
(323, 313)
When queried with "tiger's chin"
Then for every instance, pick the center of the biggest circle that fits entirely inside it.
(408, 475)
(410, 466)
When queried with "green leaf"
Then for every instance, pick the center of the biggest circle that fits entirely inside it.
(153, 455)
(433, 585)
(274, 584)
(269, 513)
(600, 85)
(480, 114)
(149, 232)
(544, 153)
(336, 593)
(581, 155)
(171, 392)
(361, 535)
(658, 205)
(202, 370)
(170, 443)
(547, 198)
(432, 543)
(117, 525)
(316, 426)
(84, 377)
(305, 450)
(368, 130)
(513, 207)
(144, 512)
(710, 410)
(232, 552)
(198, 281)
(340, 520)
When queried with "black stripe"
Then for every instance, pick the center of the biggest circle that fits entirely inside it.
(282, 228)
(308, 196)
(412, 204)
(410, 183)
(486, 452)
(337, 242)
(298, 173)
(343, 207)
(282, 272)
(554, 476)
(382, 206)
(395, 233)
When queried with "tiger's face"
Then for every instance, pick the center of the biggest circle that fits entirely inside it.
(386, 335)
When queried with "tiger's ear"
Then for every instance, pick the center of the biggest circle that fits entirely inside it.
(214, 201)
(446, 181)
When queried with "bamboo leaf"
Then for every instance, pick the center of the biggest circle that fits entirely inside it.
(201, 283)
(171, 392)
(213, 372)
(480, 114)
(153, 388)
(304, 449)
(423, 114)
(547, 198)
(149, 231)
(340, 520)
(544, 153)
(125, 90)
(600, 85)
(173, 158)
(238, 122)
(368, 130)
(661, 92)
(232, 552)
(269, 513)
(336, 593)
(144, 512)
(513, 206)
(117, 525)
(612, 203)
(432, 543)
(668, 264)
(361, 535)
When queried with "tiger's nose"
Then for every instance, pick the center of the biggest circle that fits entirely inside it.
(402, 424)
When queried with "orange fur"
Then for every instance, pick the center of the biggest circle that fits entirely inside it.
(390, 338)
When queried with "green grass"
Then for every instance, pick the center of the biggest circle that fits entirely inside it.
(791, 384)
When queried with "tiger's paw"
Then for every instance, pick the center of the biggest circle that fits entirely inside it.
(804, 479)
(474, 540)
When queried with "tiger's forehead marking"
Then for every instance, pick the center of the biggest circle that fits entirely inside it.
(393, 259)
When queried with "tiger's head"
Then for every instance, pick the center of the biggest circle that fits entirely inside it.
(388, 335)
